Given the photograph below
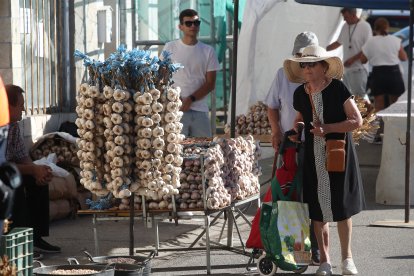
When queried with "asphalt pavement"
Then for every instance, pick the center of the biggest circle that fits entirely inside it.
(376, 250)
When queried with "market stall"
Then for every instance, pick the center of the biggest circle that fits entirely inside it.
(134, 159)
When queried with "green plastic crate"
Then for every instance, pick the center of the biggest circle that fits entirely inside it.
(18, 246)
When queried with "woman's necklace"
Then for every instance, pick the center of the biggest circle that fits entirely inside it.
(350, 34)
(318, 88)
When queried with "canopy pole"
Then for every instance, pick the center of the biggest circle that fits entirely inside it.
(234, 74)
(408, 135)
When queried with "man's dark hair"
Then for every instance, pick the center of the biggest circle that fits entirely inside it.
(12, 93)
(187, 13)
(349, 10)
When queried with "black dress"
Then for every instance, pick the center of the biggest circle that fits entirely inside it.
(331, 196)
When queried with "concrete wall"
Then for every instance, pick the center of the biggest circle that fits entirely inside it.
(10, 48)
(86, 35)
(36, 126)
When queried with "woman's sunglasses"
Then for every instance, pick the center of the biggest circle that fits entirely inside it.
(307, 64)
(190, 23)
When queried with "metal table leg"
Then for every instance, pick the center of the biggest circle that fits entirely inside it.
(95, 234)
(131, 224)
(207, 225)
(230, 219)
(157, 237)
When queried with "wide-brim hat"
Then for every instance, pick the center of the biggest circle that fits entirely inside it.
(313, 53)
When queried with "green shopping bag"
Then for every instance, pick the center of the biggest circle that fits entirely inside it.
(284, 229)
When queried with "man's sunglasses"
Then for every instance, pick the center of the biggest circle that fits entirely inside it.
(190, 23)
(307, 64)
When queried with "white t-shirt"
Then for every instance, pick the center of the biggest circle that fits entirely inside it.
(280, 97)
(382, 50)
(197, 60)
(352, 38)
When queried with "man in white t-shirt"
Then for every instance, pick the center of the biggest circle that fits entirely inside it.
(198, 77)
(353, 36)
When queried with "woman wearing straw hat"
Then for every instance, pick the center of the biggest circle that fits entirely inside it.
(327, 108)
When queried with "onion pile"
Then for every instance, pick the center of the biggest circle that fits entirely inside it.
(216, 193)
(230, 168)
(65, 151)
(128, 123)
(125, 203)
(255, 122)
(91, 132)
(191, 191)
(129, 127)
(158, 149)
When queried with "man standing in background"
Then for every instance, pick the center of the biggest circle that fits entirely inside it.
(198, 77)
(355, 32)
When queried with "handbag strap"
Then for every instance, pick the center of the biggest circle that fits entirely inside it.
(314, 112)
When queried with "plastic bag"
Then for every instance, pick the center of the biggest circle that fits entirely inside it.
(50, 161)
(284, 228)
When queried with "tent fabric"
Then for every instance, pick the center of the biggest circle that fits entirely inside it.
(363, 4)
(266, 40)
(254, 12)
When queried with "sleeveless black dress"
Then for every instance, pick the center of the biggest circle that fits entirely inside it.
(331, 196)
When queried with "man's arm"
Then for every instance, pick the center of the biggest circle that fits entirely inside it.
(201, 92)
(274, 119)
(333, 46)
(353, 59)
(42, 173)
(363, 58)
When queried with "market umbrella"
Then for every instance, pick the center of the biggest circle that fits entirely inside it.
(390, 5)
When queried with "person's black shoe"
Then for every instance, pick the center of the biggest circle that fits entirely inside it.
(316, 257)
(40, 245)
(37, 256)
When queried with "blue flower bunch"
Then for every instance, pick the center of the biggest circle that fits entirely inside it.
(130, 69)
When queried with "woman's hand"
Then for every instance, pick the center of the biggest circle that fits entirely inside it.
(318, 129)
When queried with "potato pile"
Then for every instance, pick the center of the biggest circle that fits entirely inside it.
(128, 123)
(255, 122)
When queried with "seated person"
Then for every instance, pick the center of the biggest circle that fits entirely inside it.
(31, 203)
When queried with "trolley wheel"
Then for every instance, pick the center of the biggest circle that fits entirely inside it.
(266, 266)
(301, 269)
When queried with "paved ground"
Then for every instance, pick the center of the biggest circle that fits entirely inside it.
(377, 250)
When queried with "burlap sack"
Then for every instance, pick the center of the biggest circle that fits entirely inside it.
(62, 188)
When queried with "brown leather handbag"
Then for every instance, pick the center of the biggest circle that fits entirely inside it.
(335, 150)
(335, 155)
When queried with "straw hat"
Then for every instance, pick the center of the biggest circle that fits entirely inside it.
(313, 53)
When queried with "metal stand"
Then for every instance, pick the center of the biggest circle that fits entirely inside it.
(231, 220)
(152, 218)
